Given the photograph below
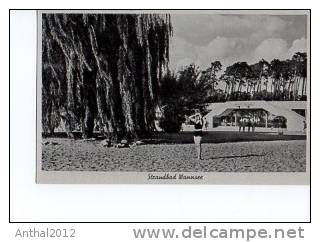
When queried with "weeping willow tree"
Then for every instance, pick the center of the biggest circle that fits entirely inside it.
(103, 69)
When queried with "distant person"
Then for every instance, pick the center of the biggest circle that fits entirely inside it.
(240, 124)
(253, 125)
(244, 124)
(197, 120)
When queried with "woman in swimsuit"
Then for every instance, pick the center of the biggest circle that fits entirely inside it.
(197, 135)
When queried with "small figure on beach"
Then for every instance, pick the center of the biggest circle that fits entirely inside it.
(242, 124)
(197, 119)
(253, 125)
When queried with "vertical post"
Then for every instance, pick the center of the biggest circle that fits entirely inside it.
(235, 118)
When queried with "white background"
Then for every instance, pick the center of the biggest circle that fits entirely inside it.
(31, 202)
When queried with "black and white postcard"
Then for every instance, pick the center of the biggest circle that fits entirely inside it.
(173, 96)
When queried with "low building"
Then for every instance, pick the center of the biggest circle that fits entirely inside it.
(261, 113)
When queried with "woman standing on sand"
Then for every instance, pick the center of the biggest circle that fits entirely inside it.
(197, 119)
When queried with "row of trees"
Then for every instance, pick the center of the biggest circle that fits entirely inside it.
(278, 80)
(103, 70)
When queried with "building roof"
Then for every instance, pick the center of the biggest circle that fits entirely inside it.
(259, 104)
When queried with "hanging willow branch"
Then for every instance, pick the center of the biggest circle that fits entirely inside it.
(106, 69)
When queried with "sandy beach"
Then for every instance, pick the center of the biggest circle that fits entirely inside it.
(255, 156)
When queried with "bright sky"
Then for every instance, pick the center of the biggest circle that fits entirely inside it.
(203, 38)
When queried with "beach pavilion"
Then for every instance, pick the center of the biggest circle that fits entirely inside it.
(230, 113)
